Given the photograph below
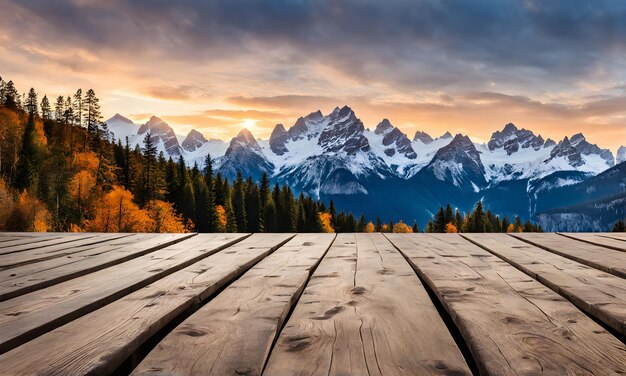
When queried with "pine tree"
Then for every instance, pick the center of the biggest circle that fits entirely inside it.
(458, 220)
(149, 191)
(210, 200)
(619, 226)
(68, 113)
(440, 221)
(253, 210)
(361, 224)
(26, 172)
(239, 205)
(46, 112)
(448, 214)
(333, 212)
(186, 197)
(11, 96)
(270, 216)
(264, 196)
(415, 228)
(58, 109)
(479, 218)
(93, 117)
(31, 103)
(77, 107)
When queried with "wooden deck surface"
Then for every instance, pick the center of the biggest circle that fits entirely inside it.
(312, 304)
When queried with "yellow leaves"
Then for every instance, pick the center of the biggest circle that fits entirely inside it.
(164, 218)
(451, 228)
(118, 213)
(326, 220)
(513, 228)
(86, 160)
(402, 227)
(81, 185)
(29, 214)
(222, 221)
(369, 227)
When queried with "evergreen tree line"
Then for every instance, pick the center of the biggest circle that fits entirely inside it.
(477, 220)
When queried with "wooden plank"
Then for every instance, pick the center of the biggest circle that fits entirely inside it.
(614, 235)
(100, 341)
(365, 312)
(511, 323)
(26, 242)
(39, 254)
(23, 279)
(31, 315)
(235, 330)
(598, 293)
(608, 260)
(595, 239)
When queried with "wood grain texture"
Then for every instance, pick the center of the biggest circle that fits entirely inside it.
(608, 260)
(100, 341)
(365, 312)
(29, 256)
(598, 293)
(28, 316)
(603, 241)
(27, 278)
(234, 332)
(512, 324)
(614, 235)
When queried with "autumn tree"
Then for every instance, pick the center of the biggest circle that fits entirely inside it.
(163, 217)
(401, 227)
(118, 213)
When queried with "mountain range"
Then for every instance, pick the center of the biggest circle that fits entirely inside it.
(382, 172)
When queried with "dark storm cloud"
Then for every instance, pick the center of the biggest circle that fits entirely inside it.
(423, 43)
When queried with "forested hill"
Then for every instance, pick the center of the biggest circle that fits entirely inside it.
(59, 172)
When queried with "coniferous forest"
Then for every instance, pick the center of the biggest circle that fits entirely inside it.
(59, 171)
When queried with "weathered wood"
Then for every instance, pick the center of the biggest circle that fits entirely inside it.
(100, 341)
(598, 293)
(614, 235)
(31, 315)
(23, 243)
(235, 331)
(511, 323)
(23, 279)
(591, 238)
(23, 257)
(608, 260)
(365, 312)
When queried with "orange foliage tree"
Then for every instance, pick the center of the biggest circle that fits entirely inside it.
(325, 219)
(163, 217)
(402, 227)
(29, 214)
(451, 228)
(222, 221)
(369, 227)
(118, 213)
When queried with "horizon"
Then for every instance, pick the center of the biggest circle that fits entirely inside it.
(470, 68)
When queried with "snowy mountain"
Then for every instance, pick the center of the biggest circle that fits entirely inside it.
(335, 157)
(621, 155)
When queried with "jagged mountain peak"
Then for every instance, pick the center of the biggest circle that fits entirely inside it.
(511, 139)
(278, 138)
(549, 143)
(424, 137)
(193, 141)
(344, 132)
(620, 157)
(445, 136)
(162, 132)
(383, 126)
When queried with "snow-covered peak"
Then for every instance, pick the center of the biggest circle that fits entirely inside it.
(423, 137)
(621, 155)
(549, 143)
(243, 140)
(344, 132)
(193, 141)
(163, 135)
(512, 139)
(277, 140)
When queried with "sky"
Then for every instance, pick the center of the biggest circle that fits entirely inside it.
(556, 67)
